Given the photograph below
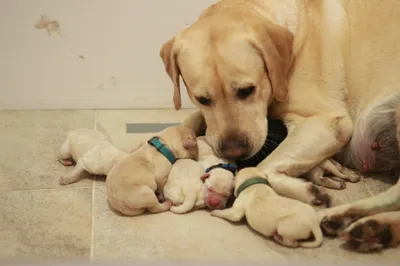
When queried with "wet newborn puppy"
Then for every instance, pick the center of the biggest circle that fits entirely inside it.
(91, 150)
(132, 182)
(288, 221)
(206, 183)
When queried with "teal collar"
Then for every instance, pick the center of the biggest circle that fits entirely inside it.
(156, 143)
(250, 182)
(227, 166)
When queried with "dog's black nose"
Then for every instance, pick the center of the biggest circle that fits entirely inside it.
(234, 147)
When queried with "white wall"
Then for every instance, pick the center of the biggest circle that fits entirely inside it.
(119, 39)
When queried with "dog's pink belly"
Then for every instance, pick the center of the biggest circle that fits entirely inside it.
(374, 146)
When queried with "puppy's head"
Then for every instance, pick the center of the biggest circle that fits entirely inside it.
(233, 67)
(245, 174)
(181, 140)
(218, 186)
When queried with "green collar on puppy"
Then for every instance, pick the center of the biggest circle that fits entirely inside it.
(250, 182)
(156, 143)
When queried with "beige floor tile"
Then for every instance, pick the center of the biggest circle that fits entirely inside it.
(46, 224)
(196, 236)
(352, 192)
(379, 183)
(113, 122)
(29, 142)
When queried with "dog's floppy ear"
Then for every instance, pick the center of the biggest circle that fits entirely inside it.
(169, 55)
(275, 43)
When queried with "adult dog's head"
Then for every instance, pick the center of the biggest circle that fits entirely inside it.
(234, 62)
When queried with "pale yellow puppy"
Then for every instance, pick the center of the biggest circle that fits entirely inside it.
(91, 150)
(288, 221)
(132, 182)
(190, 187)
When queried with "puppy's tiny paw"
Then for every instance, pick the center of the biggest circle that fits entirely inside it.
(353, 176)
(335, 224)
(66, 162)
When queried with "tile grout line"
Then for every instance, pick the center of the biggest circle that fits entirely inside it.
(93, 197)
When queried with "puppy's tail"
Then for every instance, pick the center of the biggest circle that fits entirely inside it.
(187, 205)
(316, 230)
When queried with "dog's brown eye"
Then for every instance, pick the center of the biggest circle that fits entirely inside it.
(246, 92)
(203, 100)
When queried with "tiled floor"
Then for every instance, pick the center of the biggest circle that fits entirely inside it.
(41, 220)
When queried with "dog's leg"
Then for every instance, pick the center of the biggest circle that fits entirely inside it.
(234, 214)
(316, 175)
(374, 232)
(335, 220)
(298, 154)
(290, 231)
(160, 207)
(188, 202)
(134, 200)
(74, 175)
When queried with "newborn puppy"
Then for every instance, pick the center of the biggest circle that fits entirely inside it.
(91, 150)
(218, 178)
(206, 183)
(184, 187)
(288, 221)
(132, 182)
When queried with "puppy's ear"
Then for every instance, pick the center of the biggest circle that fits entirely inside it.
(204, 177)
(168, 54)
(275, 44)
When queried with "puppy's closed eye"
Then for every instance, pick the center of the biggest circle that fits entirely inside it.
(245, 92)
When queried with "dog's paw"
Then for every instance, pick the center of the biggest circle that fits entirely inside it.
(368, 235)
(349, 175)
(319, 196)
(333, 225)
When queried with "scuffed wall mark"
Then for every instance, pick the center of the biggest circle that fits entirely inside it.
(51, 26)
(100, 87)
(114, 81)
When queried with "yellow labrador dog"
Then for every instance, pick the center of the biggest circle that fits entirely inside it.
(286, 220)
(327, 68)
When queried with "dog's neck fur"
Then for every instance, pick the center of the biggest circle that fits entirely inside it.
(158, 163)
